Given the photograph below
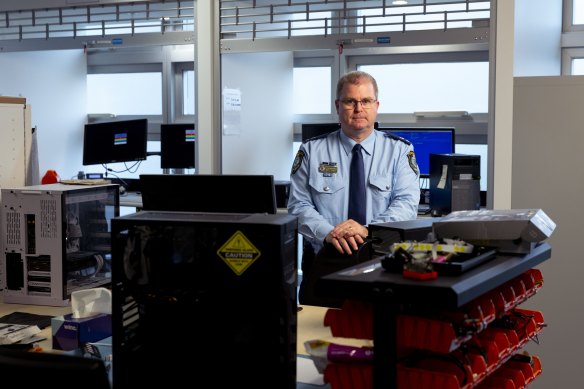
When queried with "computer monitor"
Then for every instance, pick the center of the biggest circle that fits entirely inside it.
(310, 130)
(426, 141)
(226, 193)
(177, 146)
(45, 369)
(115, 141)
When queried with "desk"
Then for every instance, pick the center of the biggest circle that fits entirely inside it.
(46, 344)
(310, 327)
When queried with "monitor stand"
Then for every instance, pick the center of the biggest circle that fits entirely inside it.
(174, 171)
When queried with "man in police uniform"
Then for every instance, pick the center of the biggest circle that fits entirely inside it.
(319, 189)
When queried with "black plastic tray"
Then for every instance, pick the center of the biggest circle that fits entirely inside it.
(458, 265)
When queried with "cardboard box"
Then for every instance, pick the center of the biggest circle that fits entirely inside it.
(12, 100)
(70, 333)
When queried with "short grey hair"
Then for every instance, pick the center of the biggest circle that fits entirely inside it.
(355, 78)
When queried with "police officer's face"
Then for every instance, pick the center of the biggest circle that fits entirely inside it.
(353, 117)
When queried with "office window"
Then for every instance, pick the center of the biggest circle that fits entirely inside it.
(476, 149)
(162, 87)
(188, 87)
(577, 11)
(433, 16)
(312, 90)
(572, 22)
(577, 66)
(74, 19)
(125, 93)
(120, 28)
(432, 86)
(314, 26)
(268, 19)
(184, 91)
(137, 94)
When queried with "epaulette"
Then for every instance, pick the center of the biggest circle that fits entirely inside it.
(393, 136)
(319, 136)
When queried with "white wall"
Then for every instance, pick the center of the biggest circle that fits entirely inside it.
(548, 174)
(263, 140)
(53, 83)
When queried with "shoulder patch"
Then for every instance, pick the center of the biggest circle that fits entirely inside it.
(297, 161)
(413, 163)
(393, 136)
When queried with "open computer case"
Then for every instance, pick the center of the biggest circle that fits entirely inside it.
(56, 240)
(199, 293)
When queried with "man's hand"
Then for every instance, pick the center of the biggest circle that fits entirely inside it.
(347, 236)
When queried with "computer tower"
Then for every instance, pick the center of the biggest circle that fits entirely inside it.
(454, 183)
(282, 193)
(56, 240)
(195, 294)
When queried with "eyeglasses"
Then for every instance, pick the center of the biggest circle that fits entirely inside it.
(352, 103)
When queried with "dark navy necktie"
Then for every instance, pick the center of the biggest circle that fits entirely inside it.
(357, 206)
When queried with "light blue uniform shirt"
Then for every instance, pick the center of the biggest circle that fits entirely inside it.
(319, 182)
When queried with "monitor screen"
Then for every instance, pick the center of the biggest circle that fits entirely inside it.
(118, 141)
(426, 141)
(310, 130)
(177, 146)
(227, 193)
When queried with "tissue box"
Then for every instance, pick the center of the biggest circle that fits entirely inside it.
(70, 333)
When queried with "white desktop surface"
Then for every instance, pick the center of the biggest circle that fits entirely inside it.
(46, 344)
(311, 326)
(131, 199)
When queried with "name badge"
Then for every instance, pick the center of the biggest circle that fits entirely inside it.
(328, 168)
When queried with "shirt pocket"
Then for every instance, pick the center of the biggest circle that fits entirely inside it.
(381, 191)
(327, 194)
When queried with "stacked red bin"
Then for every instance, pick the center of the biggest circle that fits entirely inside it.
(477, 346)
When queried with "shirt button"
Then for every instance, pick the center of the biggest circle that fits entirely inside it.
(387, 187)
(326, 188)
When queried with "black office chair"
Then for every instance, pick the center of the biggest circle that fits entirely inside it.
(44, 369)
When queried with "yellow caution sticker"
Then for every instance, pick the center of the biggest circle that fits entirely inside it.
(238, 253)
